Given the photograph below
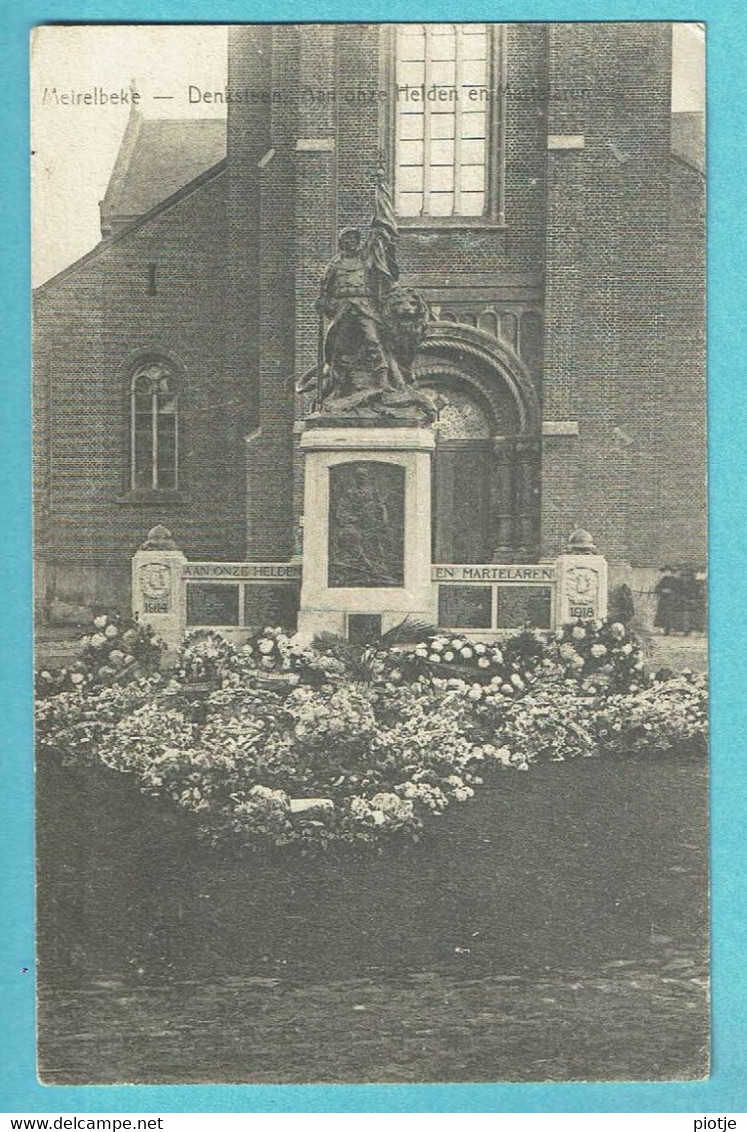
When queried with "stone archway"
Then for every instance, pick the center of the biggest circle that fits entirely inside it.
(487, 465)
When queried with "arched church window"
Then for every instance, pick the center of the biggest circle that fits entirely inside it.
(445, 114)
(154, 428)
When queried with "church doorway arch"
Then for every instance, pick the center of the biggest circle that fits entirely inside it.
(486, 473)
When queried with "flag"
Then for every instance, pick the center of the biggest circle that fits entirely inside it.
(381, 241)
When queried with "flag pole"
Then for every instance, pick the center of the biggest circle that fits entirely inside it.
(320, 363)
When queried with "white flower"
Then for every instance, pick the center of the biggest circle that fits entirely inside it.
(578, 632)
(517, 681)
(437, 645)
(77, 678)
(480, 648)
(617, 630)
(482, 661)
(448, 656)
(578, 661)
(475, 692)
(497, 656)
(435, 658)
(421, 650)
(507, 689)
(596, 625)
(598, 650)
(111, 631)
(269, 796)
(265, 646)
(101, 621)
(466, 653)
(98, 640)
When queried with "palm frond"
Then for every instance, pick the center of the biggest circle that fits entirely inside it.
(407, 632)
(332, 642)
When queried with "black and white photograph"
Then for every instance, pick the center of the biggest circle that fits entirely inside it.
(370, 552)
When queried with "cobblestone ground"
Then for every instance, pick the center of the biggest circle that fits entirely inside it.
(554, 928)
(631, 1022)
(675, 651)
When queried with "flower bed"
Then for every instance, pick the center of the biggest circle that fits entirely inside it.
(284, 742)
(119, 649)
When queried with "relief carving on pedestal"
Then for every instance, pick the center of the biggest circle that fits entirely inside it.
(582, 584)
(366, 524)
(155, 580)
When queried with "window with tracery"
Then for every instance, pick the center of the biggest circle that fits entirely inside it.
(154, 429)
(445, 106)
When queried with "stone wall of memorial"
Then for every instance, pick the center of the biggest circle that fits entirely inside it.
(93, 324)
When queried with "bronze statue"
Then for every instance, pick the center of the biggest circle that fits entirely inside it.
(370, 326)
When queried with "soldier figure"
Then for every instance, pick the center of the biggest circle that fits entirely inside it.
(347, 299)
(369, 326)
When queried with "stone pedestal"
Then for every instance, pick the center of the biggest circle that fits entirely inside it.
(157, 600)
(582, 588)
(367, 528)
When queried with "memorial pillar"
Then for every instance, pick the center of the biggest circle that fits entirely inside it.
(367, 527)
(581, 581)
(157, 587)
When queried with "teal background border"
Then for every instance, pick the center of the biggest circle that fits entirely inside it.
(726, 1090)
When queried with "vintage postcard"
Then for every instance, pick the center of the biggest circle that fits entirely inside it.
(370, 543)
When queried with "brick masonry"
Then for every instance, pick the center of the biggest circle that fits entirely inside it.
(604, 241)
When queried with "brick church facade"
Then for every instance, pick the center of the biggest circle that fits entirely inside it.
(553, 220)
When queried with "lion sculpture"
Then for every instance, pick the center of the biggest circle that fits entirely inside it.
(350, 386)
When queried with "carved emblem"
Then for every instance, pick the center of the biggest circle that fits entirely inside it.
(582, 584)
(155, 580)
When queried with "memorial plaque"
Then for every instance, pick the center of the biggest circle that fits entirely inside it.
(465, 607)
(212, 604)
(363, 628)
(366, 524)
(524, 605)
(271, 605)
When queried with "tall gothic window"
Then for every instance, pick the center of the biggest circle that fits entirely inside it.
(444, 111)
(154, 429)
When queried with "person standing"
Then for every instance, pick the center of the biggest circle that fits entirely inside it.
(669, 613)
